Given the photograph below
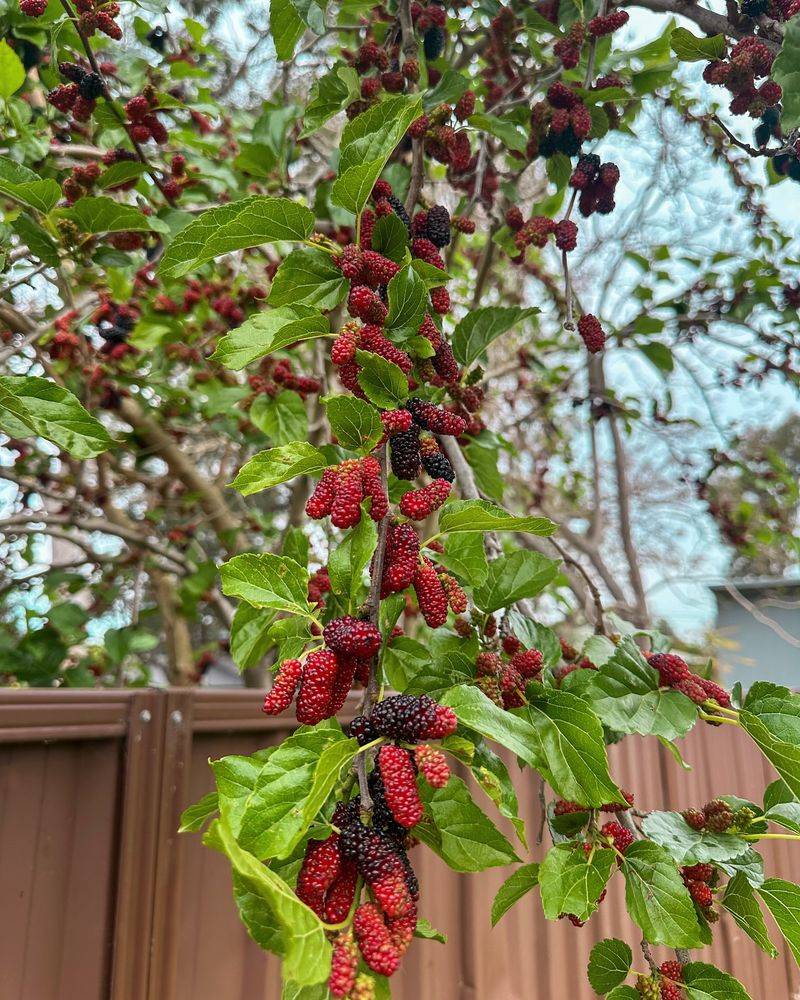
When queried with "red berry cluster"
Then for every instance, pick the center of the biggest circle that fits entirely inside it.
(352, 637)
(536, 231)
(65, 343)
(115, 322)
(568, 48)
(398, 773)
(503, 676)
(749, 60)
(563, 808)
(674, 672)
(671, 975)
(718, 816)
(366, 267)
(699, 880)
(620, 837)
(79, 96)
(447, 142)
(353, 337)
(434, 418)
(33, 8)
(559, 124)
(342, 489)
(596, 182)
(143, 123)
(319, 584)
(405, 717)
(421, 503)
(431, 595)
(389, 75)
(321, 684)
(606, 25)
(273, 374)
(98, 15)
(401, 558)
(592, 333)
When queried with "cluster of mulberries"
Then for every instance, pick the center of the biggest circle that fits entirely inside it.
(568, 48)
(426, 250)
(671, 975)
(384, 203)
(408, 453)
(719, 817)
(563, 808)
(366, 267)
(327, 880)
(559, 124)
(342, 489)
(619, 836)
(430, 22)
(65, 342)
(115, 322)
(434, 225)
(674, 672)
(537, 230)
(143, 122)
(572, 661)
(700, 880)
(369, 337)
(448, 142)
(596, 183)
(406, 718)
(421, 503)
(503, 676)
(434, 460)
(321, 684)
(437, 591)
(319, 584)
(607, 24)
(749, 60)
(79, 96)
(435, 419)
(388, 74)
(275, 375)
(401, 558)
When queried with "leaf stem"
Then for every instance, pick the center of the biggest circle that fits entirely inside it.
(770, 836)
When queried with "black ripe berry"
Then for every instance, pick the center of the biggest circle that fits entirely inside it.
(404, 454)
(437, 226)
(433, 42)
(92, 86)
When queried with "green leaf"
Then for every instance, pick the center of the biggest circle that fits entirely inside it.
(347, 562)
(476, 711)
(428, 932)
(492, 775)
(104, 215)
(354, 422)
(329, 95)
(249, 222)
(740, 901)
(250, 638)
(610, 962)
(571, 882)
(508, 131)
(390, 237)
(513, 889)
(382, 381)
(786, 72)
(483, 515)
(195, 817)
(780, 806)
(659, 355)
(689, 48)
(26, 186)
(37, 240)
(771, 717)
(278, 465)
(448, 90)
(121, 173)
(782, 899)
(624, 993)
(750, 864)
(464, 555)
(288, 20)
(282, 417)
(291, 787)
(236, 777)
(463, 836)
(403, 660)
(482, 326)
(367, 142)
(12, 72)
(688, 846)
(267, 581)
(30, 405)
(302, 943)
(625, 694)
(310, 278)
(705, 982)
(572, 747)
(514, 577)
(657, 900)
(268, 331)
(408, 299)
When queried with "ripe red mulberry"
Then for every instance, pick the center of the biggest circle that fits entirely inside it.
(344, 965)
(282, 693)
(316, 687)
(352, 636)
(435, 419)
(319, 869)
(401, 558)
(671, 668)
(400, 785)
(419, 504)
(431, 595)
(396, 421)
(376, 946)
(695, 818)
(33, 8)
(701, 894)
(621, 837)
(528, 662)
(591, 333)
(364, 304)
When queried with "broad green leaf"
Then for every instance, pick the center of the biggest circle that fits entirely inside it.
(329, 95)
(771, 717)
(308, 277)
(286, 27)
(481, 326)
(447, 91)
(282, 418)
(476, 711)
(464, 837)
(382, 381)
(464, 554)
(37, 240)
(267, 581)
(354, 422)
(250, 638)
(689, 48)
(278, 465)
(236, 777)
(239, 225)
(782, 899)
(688, 846)
(292, 991)
(750, 864)
(290, 789)
(269, 331)
(786, 72)
(508, 131)
(514, 577)
(492, 775)
(571, 882)
(12, 72)
(390, 237)
(302, 944)
(25, 186)
(428, 932)
(571, 746)
(403, 660)
(705, 982)
(121, 173)
(408, 299)
(610, 962)
(657, 900)
(659, 355)
(513, 889)
(483, 515)
(624, 993)
(347, 561)
(104, 215)
(195, 817)
(780, 806)
(740, 901)
(30, 405)
(624, 692)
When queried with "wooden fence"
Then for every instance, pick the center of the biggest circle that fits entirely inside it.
(100, 898)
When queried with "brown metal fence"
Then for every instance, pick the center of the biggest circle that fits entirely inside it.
(100, 898)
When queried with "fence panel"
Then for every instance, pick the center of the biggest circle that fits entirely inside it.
(100, 898)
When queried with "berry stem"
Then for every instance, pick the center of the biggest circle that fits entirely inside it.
(718, 718)
(721, 708)
(368, 746)
(770, 836)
